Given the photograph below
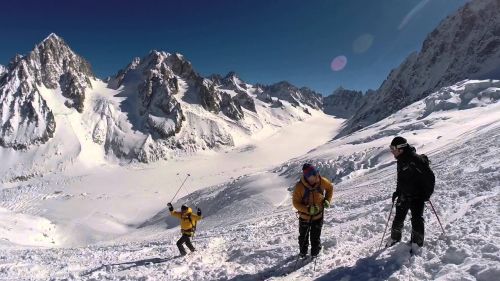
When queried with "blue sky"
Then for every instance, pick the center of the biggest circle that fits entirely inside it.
(263, 41)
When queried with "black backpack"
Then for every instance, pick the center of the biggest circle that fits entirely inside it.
(428, 178)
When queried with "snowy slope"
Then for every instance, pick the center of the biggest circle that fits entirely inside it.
(465, 45)
(440, 118)
(250, 229)
(91, 200)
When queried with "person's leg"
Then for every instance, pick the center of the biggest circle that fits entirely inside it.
(417, 222)
(179, 245)
(399, 219)
(316, 227)
(188, 243)
(303, 236)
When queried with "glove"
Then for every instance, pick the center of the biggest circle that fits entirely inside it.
(394, 196)
(326, 204)
(170, 207)
(313, 210)
(199, 212)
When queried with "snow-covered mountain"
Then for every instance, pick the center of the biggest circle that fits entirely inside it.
(465, 45)
(288, 92)
(344, 103)
(2, 70)
(270, 93)
(179, 110)
(240, 91)
(25, 117)
(155, 108)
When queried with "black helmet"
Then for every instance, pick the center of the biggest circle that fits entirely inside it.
(184, 207)
(309, 170)
(398, 142)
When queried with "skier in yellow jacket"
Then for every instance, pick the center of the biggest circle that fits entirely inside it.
(312, 194)
(188, 225)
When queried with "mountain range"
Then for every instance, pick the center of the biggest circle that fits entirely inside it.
(159, 106)
(155, 106)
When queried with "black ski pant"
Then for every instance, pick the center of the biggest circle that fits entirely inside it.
(185, 239)
(416, 206)
(310, 229)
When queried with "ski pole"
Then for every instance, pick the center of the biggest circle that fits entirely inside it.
(188, 189)
(388, 219)
(180, 187)
(439, 221)
(315, 260)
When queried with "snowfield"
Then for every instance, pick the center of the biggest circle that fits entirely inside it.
(110, 222)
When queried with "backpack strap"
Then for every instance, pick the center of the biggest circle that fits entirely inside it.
(193, 225)
(425, 159)
(421, 163)
(307, 192)
(305, 196)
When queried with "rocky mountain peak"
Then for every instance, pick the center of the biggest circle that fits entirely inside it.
(182, 67)
(343, 103)
(231, 75)
(53, 37)
(26, 118)
(284, 90)
(53, 64)
(233, 82)
(339, 90)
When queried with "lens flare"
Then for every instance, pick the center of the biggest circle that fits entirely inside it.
(412, 13)
(362, 43)
(338, 63)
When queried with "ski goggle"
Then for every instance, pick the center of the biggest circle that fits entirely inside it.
(312, 172)
(394, 147)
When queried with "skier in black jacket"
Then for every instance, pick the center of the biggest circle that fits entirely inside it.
(415, 185)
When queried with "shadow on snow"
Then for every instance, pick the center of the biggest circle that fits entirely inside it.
(283, 268)
(379, 266)
(131, 264)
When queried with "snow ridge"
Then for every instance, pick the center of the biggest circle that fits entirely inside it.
(463, 46)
